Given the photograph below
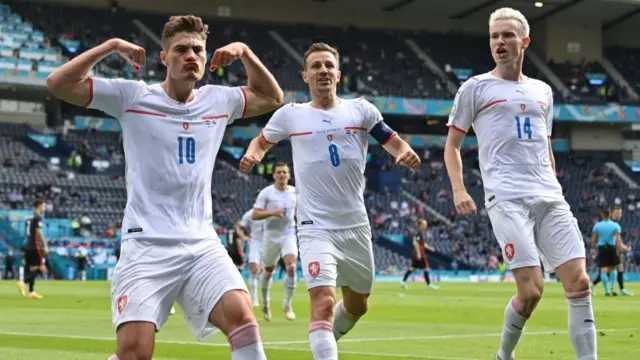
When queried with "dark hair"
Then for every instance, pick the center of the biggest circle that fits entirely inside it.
(38, 202)
(184, 23)
(605, 213)
(318, 47)
(281, 164)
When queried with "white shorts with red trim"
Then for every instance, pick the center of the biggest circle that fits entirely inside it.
(338, 258)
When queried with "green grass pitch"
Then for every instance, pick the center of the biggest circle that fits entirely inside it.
(457, 322)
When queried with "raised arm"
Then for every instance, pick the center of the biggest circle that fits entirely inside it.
(70, 82)
(262, 90)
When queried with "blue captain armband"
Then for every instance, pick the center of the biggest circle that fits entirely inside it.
(381, 132)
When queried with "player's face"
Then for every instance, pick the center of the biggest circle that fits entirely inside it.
(322, 72)
(281, 175)
(185, 56)
(422, 225)
(41, 208)
(616, 215)
(507, 41)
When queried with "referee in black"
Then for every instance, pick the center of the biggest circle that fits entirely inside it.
(35, 251)
(419, 258)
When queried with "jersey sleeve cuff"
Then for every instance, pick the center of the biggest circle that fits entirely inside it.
(90, 92)
(267, 140)
(244, 102)
(456, 128)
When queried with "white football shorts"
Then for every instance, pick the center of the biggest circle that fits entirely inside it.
(273, 250)
(533, 229)
(341, 257)
(152, 274)
(255, 251)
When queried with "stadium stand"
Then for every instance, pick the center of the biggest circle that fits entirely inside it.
(88, 201)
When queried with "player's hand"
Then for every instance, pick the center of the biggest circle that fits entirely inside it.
(464, 203)
(408, 158)
(278, 213)
(593, 254)
(247, 163)
(134, 54)
(225, 55)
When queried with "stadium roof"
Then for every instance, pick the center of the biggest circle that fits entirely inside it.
(606, 12)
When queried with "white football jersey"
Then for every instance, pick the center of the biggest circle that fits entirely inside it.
(170, 149)
(329, 159)
(270, 198)
(255, 226)
(513, 122)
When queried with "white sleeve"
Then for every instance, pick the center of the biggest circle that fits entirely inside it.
(261, 201)
(246, 219)
(112, 96)
(550, 115)
(464, 107)
(370, 114)
(277, 128)
(237, 102)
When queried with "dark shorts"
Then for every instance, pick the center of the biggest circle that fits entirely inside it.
(33, 258)
(421, 263)
(608, 256)
(236, 258)
(82, 263)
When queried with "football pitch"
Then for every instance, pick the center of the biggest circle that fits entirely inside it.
(457, 322)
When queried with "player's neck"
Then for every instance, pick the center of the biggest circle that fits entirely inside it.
(280, 187)
(325, 101)
(511, 72)
(178, 91)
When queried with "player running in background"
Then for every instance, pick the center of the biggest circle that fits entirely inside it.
(616, 215)
(419, 258)
(35, 251)
(172, 134)
(235, 247)
(276, 205)
(256, 232)
(329, 138)
(512, 117)
(607, 237)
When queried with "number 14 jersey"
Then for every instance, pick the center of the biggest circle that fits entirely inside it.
(513, 123)
(329, 157)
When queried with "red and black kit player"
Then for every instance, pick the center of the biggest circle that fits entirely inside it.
(35, 251)
(419, 258)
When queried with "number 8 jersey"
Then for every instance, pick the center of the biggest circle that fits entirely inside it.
(513, 123)
(329, 159)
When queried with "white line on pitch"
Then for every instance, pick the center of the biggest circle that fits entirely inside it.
(387, 355)
(439, 337)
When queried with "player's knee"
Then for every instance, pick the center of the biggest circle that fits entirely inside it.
(291, 270)
(268, 271)
(357, 305)
(233, 311)
(322, 304)
(529, 296)
(134, 348)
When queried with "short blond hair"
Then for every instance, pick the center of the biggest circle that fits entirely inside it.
(319, 47)
(507, 13)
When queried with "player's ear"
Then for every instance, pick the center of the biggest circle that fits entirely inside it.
(525, 42)
(304, 76)
(163, 57)
(338, 76)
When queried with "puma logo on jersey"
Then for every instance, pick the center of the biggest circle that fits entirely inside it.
(521, 92)
(328, 121)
